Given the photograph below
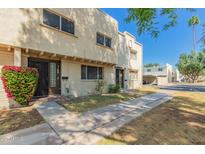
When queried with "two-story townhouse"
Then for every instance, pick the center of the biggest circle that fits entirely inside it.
(71, 48)
(129, 66)
(159, 75)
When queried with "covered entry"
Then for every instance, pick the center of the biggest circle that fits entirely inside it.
(119, 77)
(49, 76)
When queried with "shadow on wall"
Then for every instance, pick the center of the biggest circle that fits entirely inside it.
(87, 22)
(33, 34)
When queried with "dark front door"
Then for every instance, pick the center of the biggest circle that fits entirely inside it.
(119, 77)
(49, 76)
(42, 87)
(54, 77)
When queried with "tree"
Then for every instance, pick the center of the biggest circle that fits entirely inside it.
(194, 20)
(151, 65)
(191, 66)
(149, 19)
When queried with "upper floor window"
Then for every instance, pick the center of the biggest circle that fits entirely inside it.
(91, 72)
(130, 43)
(58, 22)
(51, 19)
(148, 70)
(133, 56)
(104, 40)
(67, 26)
(100, 39)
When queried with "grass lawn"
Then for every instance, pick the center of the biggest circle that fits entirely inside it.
(83, 104)
(179, 121)
(14, 119)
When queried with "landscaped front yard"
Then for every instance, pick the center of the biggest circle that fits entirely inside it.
(83, 104)
(15, 119)
(179, 121)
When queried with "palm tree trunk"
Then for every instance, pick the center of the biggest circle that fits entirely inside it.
(193, 37)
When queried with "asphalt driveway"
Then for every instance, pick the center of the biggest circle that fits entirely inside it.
(192, 88)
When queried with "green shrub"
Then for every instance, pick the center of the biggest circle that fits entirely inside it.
(113, 88)
(19, 83)
(100, 86)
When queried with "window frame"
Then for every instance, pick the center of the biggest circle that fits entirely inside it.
(51, 13)
(61, 16)
(104, 40)
(86, 72)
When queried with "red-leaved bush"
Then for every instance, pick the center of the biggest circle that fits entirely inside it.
(19, 83)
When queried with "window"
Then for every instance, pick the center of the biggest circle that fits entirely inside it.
(103, 40)
(91, 72)
(67, 26)
(83, 71)
(100, 39)
(58, 22)
(160, 69)
(108, 42)
(100, 72)
(148, 70)
(51, 19)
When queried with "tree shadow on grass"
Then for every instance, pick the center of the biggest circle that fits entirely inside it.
(179, 121)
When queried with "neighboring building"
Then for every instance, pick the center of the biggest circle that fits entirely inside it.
(129, 66)
(159, 75)
(176, 76)
(72, 49)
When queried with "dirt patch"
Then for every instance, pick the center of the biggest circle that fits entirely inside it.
(15, 119)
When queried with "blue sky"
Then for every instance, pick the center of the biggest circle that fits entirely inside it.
(170, 44)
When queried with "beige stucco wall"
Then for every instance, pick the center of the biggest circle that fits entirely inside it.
(78, 87)
(162, 80)
(125, 61)
(24, 29)
(6, 57)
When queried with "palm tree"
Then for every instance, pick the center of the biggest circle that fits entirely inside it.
(194, 20)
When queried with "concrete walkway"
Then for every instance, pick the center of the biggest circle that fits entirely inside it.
(92, 126)
(39, 134)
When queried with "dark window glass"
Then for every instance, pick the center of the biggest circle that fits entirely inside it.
(91, 72)
(148, 70)
(83, 71)
(67, 26)
(160, 69)
(108, 42)
(100, 39)
(51, 19)
(100, 73)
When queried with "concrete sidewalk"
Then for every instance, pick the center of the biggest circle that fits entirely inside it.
(92, 126)
(39, 135)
